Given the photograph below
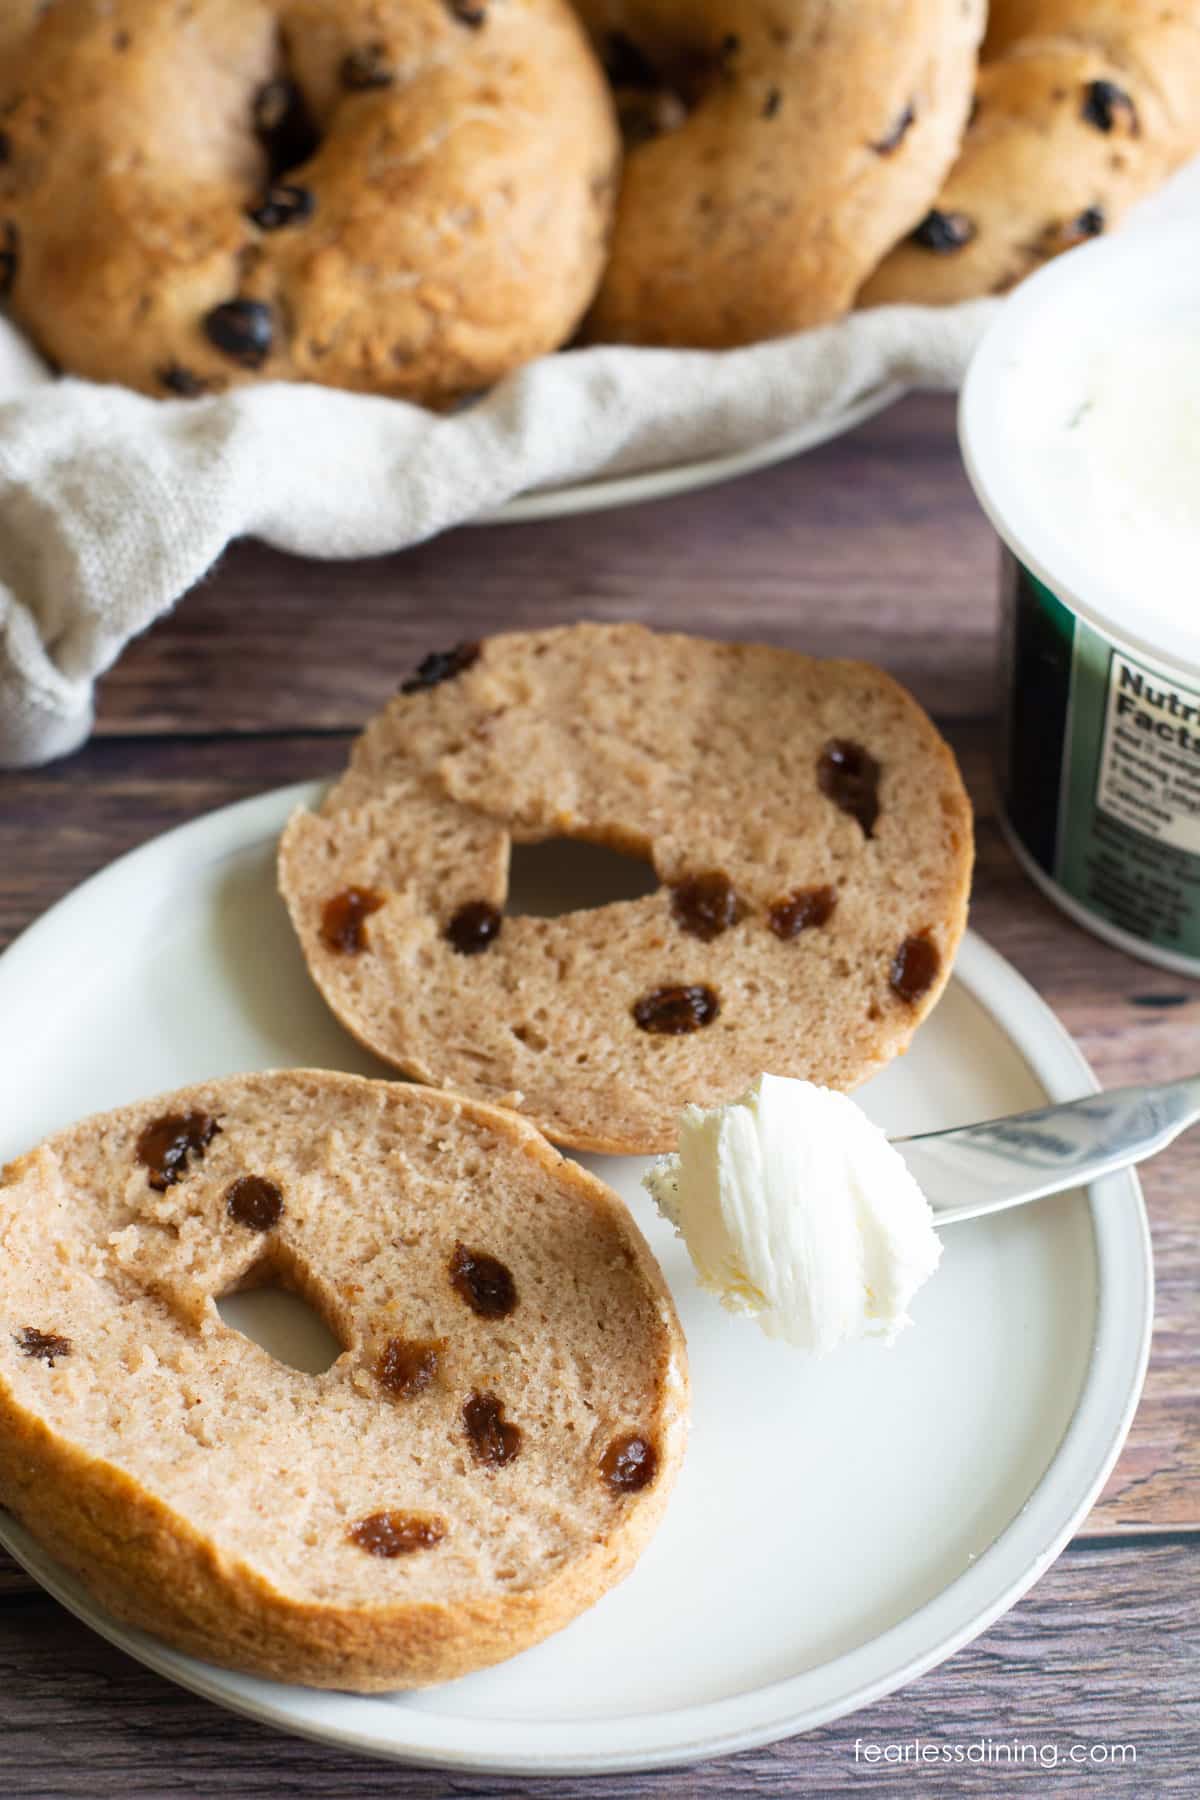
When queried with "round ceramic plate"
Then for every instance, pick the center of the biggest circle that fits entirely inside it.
(681, 478)
(838, 1527)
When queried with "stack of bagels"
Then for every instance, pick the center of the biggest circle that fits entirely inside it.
(413, 197)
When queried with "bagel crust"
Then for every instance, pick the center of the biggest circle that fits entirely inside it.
(807, 826)
(1082, 109)
(489, 1453)
(403, 197)
(791, 144)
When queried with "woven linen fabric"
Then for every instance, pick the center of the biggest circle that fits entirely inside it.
(113, 505)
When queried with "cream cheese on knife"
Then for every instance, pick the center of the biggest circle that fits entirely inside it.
(796, 1209)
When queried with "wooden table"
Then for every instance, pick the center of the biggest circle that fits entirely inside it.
(870, 547)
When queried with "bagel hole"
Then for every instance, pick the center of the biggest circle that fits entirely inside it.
(266, 1308)
(567, 875)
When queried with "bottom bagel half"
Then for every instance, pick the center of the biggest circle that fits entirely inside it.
(489, 1453)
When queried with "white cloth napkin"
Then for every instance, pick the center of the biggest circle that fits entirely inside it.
(112, 505)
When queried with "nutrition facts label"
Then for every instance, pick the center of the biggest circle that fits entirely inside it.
(1101, 771)
(1149, 773)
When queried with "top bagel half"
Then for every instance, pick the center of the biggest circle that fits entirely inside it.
(805, 829)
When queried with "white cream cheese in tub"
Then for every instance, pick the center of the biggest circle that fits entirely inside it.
(1080, 429)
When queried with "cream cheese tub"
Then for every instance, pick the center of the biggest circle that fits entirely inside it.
(1080, 429)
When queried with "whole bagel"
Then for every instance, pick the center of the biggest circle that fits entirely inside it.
(788, 145)
(1083, 107)
(406, 197)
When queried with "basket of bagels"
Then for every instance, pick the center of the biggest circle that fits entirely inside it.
(416, 197)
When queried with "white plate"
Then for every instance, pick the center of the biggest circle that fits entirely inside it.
(838, 1528)
(681, 478)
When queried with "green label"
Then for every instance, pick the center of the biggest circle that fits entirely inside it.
(1125, 842)
(1038, 650)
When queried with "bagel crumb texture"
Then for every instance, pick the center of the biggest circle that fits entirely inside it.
(440, 1498)
(804, 820)
(406, 197)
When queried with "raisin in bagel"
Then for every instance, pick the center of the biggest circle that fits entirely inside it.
(405, 197)
(488, 1455)
(784, 147)
(1083, 107)
(807, 825)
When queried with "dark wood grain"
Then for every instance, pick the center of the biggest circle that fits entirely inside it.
(1100, 1653)
(871, 540)
(870, 547)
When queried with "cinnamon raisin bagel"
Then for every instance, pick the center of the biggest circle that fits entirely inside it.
(807, 827)
(489, 1453)
(405, 197)
(17, 18)
(1083, 107)
(776, 150)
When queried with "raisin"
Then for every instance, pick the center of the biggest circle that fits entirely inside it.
(474, 928)
(484, 1283)
(915, 968)
(1064, 234)
(243, 330)
(45, 1345)
(254, 1202)
(178, 380)
(643, 117)
(397, 1533)
(672, 1011)
(166, 1144)
(494, 1439)
(406, 1368)
(439, 666)
(273, 102)
(892, 139)
(1105, 105)
(629, 1464)
(283, 204)
(5, 148)
(10, 257)
(705, 905)
(849, 776)
(802, 910)
(343, 919)
(284, 126)
(367, 67)
(626, 66)
(472, 13)
(944, 232)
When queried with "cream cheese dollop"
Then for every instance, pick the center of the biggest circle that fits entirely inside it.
(796, 1209)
